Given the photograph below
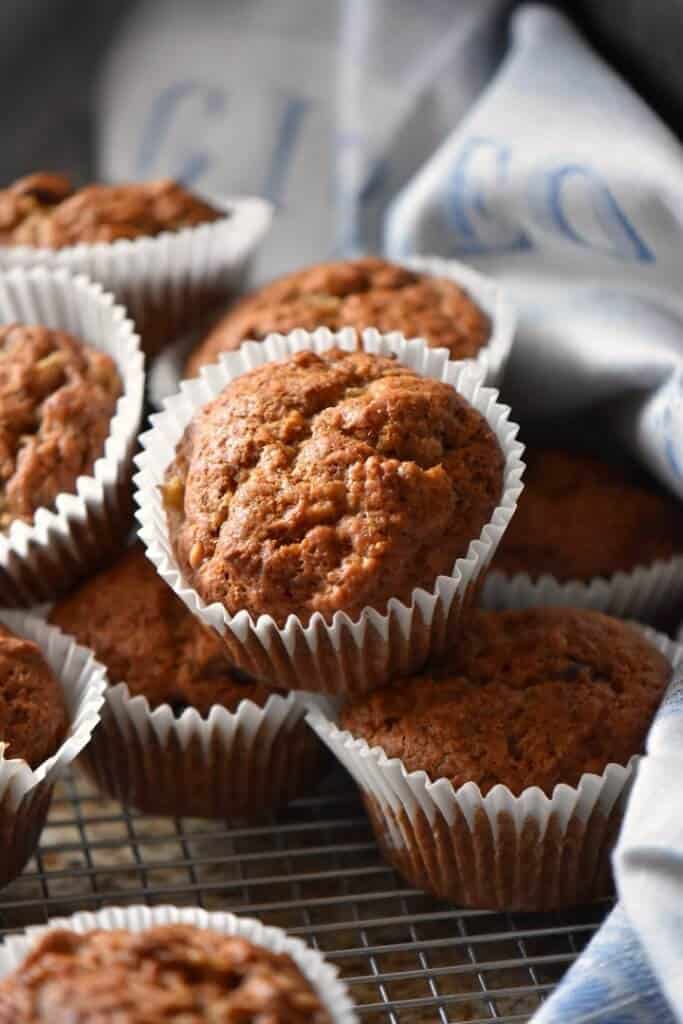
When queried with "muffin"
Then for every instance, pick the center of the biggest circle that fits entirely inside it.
(150, 751)
(165, 973)
(44, 210)
(50, 696)
(369, 292)
(302, 488)
(604, 536)
(33, 715)
(526, 735)
(57, 398)
(167, 254)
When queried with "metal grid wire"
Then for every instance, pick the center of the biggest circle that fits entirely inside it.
(313, 869)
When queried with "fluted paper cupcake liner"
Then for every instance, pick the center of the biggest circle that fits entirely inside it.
(498, 851)
(41, 559)
(168, 281)
(166, 374)
(645, 593)
(222, 765)
(488, 294)
(343, 656)
(25, 792)
(322, 976)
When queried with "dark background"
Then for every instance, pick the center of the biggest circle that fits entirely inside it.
(51, 51)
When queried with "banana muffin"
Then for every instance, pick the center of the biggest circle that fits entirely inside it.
(369, 292)
(57, 397)
(328, 483)
(166, 973)
(580, 517)
(33, 714)
(530, 698)
(44, 210)
(136, 626)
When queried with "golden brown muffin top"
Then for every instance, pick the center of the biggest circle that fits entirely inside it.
(168, 974)
(329, 482)
(57, 398)
(369, 292)
(44, 210)
(136, 626)
(33, 714)
(579, 517)
(530, 698)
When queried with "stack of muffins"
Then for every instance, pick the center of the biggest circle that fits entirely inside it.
(331, 550)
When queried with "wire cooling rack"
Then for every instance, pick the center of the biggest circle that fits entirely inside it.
(313, 869)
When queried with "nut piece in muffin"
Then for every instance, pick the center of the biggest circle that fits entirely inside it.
(57, 397)
(328, 483)
(368, 292)
(33, 714)
(45, 211)
(165, 974)
(136, 626)
(580, 517)
(531, 698)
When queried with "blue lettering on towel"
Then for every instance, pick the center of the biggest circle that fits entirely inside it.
(190, 166)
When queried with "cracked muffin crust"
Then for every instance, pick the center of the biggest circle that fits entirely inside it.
(136, 626)
(530, 698)
(168, 974)
(369, 292)
(329, 482)
(33, 715)
(579, 517)
(44, 210)
(57, 398)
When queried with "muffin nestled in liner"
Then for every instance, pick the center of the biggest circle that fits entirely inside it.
(51, 692)
(45, 549)
(168, 255)
(498, 781)
(443, 302)
(136, 964)
(353, 471)
(182, 733)
(589, 534)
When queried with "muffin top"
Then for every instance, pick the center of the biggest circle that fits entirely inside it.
(579, 517)
(57, 398)
(530, 698)
(33, 715)
(369, 292)
(329, 482)
(169, 974)
(147, 638)
(44, 210)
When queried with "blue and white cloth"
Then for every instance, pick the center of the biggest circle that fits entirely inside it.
(419, 126)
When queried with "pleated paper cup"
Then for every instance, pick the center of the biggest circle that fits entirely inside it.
(343, 656)
(499, 851)
(487, 293)
(25, 792)
(222, 765)
(63, 544)
(168, 370)
(645, 593)
(321, 975)
(169, 281)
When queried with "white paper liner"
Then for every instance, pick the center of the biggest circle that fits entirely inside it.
(344, 656)
(163, 280)
(499, 851)
(62, 544)
(644, 593)
(222, 765)
(322, 976)
(167, 372)
(25, 792)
